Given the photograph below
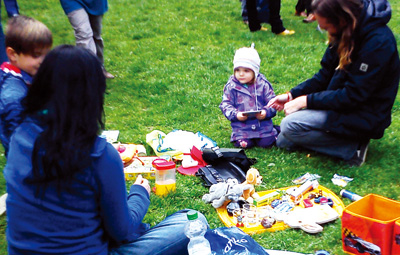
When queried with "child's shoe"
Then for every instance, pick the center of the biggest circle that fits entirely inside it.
(263, 29)
(287, 32)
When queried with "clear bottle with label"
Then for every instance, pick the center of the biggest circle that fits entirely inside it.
(195, 230)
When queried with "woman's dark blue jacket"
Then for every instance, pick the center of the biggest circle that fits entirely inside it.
(359, 99)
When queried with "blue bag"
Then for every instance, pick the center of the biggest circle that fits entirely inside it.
(232, 241)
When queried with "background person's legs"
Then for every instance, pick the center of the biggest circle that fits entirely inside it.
(80, 22)
(96, 25)
(11, 7)
(275, 17)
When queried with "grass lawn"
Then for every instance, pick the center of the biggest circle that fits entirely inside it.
(172, 58)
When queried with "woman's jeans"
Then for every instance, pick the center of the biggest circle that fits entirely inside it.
(304, 129)
(167, 238)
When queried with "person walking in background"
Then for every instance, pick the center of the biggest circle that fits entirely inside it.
(349, 101)
(27, 43)
(303, 8)
(244, 102)
(66, 185)
(86, 17)
(11, 8)
(265, 11)
(3, 55)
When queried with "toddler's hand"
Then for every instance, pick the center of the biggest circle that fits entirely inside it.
(261, 115)
(241, 117)
(143, 182)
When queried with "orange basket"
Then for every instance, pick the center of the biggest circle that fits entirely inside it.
(367, 225)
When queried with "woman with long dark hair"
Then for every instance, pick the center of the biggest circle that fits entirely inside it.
(349, 101)
(65, 184)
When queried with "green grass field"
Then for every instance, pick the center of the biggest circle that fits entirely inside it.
(171, 60)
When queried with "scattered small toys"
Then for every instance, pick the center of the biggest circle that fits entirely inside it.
(277, 210)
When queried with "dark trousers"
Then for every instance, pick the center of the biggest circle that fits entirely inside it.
(274, 16)
(303, 5)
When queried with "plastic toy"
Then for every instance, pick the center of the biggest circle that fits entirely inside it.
(307, 203)
(234, 193)
(297, 193)
(308, 219)
(239, 218)
(253, 178)
(223, 191)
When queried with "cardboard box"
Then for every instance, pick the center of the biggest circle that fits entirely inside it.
(367, 225)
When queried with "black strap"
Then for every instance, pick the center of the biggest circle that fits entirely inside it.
(209, 175)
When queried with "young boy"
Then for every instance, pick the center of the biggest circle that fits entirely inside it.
(27, 42)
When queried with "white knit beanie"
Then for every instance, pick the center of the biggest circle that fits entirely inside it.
(248, 58)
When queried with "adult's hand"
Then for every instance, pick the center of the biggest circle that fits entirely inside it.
(278, 102)
(143, 182)
(296, 104)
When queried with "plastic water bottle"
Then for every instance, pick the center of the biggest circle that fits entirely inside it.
(195, 230)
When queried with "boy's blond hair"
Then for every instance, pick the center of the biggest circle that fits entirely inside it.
(26, 35)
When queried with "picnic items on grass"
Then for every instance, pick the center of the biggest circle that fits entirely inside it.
(177, 142)
(224, 163)
(252, 219)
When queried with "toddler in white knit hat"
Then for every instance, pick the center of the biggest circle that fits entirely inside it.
(244, 102)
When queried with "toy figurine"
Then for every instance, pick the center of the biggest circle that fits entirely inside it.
(253, 178)
(233, 194)
(239, 223)
(239, 218)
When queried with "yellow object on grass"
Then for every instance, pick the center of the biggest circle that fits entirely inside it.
(231, 221)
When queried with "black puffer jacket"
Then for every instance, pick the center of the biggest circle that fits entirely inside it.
(359, 99)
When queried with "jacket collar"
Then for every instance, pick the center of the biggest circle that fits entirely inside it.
(7, 67)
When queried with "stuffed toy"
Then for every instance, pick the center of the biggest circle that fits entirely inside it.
(223, 191)
(234, 193)
(253, 178)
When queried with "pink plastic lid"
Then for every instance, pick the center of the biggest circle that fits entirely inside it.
(162, 164)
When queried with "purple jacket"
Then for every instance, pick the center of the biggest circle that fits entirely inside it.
(239, 98)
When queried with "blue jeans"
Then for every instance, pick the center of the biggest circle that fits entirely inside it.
(304, 129)
(167, 238)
